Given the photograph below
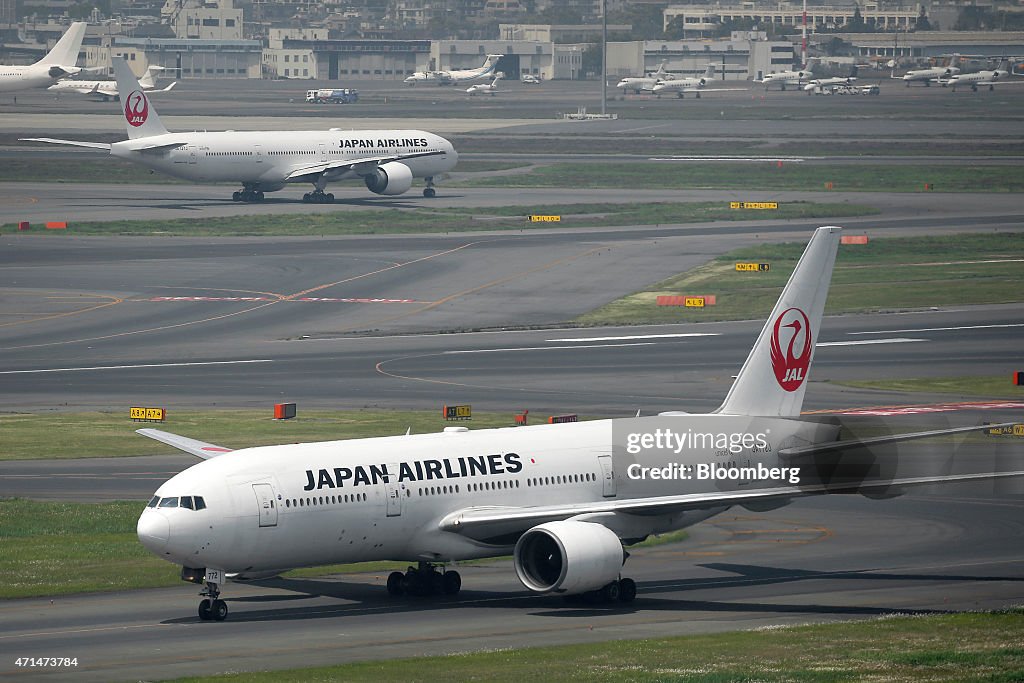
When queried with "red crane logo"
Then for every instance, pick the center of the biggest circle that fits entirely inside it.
(136, 108)
(791, 368)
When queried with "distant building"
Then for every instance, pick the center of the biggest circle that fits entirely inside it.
(181, 58)
(744, 55)
(203, 19)
(557, 33)
(699, 20)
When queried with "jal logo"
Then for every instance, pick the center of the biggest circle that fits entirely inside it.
(791, 348)
(136, 108)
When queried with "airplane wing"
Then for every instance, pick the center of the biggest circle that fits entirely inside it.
(200, 449)
(483, 523)
(366, 164)
(75, 143)
(167, 89)
(816, 449)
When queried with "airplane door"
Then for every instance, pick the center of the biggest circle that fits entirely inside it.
(607, 476)
(257, 152)
(393, 492)
(266, 503)
(193, 155)
(323, 152)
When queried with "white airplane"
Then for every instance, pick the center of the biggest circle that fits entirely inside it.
(58, 63)
(266, 161)
(681, 86)
(784, 78)
(455, 76)
(486, 88)
(989, 77)
(640, 83)
(819, 84)
(562, 499)
(928, 76)
(107, 89)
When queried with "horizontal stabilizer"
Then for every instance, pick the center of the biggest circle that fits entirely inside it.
(200, 449)
(791, 453)
(75, 143)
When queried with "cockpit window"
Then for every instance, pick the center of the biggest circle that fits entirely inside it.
(153, 501)
(186, 502)
(169, 502)
(200, 503)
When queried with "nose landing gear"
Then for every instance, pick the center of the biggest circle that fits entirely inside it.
(212, 607)
(429, 192)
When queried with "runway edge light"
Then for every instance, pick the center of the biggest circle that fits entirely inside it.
(284, 411)
(1018, 378)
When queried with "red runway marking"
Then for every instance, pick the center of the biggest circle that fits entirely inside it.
(308, 299)
(884, 411)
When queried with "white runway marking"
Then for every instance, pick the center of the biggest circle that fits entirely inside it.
(638, 336)
(865, 342)
(129, 367)
(550, 348)
(944, 329)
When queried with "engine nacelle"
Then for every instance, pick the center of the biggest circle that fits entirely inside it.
(390, 178)
(568, 557)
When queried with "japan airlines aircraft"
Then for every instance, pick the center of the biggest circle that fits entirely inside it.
(58, 63)
(927, 76)
(784, 78)
(485, 88)
(455, 76)
(640, 83)
(266, 161)
(683, 85)
(107, 89)
(563, 499)
(818, 84)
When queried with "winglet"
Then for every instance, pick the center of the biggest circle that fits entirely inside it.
(200, 449)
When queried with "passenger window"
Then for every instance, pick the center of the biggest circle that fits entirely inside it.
(186, 502)
(169, 502)
(200, 503)
(153, 501)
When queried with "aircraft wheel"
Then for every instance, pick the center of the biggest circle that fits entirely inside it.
(429, 192)
(205, 610)
(306, 198)
(451, 583)
(974, 88)
(627, 590)
(610, 593)
(236, 196)
(259, 198)
(330, 198)
(395, 581)
(219, 610)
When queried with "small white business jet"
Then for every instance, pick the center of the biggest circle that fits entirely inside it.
(455, 76)
(796, 78)
(485, 88)
(266, 161)
(639, 84)
(107, 89)
(986, 77)
(562, 499)
(929, 76)
(820, 84)
(58, 63)
(680, 86)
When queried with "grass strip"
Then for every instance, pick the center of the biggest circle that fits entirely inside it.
(947, 648)
(765, 176)
(885, 274)
(109, 434)
(989, 386)
(426, 220)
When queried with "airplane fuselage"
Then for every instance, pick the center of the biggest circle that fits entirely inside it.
(13, 78)
(267, 158)
(277, 507)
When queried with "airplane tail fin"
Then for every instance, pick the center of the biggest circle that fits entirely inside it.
(709, 72)
(65, 51)
(140, 116)
(853, 71)
(774, 377)
(148, 79)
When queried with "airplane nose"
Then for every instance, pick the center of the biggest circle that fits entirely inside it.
(154, 531)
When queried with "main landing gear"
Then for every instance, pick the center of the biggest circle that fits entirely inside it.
(429, 192)
(623, 590)
(247, 194)
(318, 197)
(424, 580)
(212, 607)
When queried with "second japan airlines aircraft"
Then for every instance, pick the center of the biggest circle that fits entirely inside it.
(265, 161)
(58, 63)
(562, 499)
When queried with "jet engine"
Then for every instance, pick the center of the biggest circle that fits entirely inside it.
(390, 178)
(568, 557)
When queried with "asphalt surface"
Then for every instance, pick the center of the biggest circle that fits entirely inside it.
(417, 321)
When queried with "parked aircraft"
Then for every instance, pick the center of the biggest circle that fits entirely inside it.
(639, 84)
(266, 161)
(928, 76)
(562, 499)
(485, 88)
(818, 84)
(107, 89)
(455, 76)
(796, 78)
(682, 85)
(58, 63)
(989, 77)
